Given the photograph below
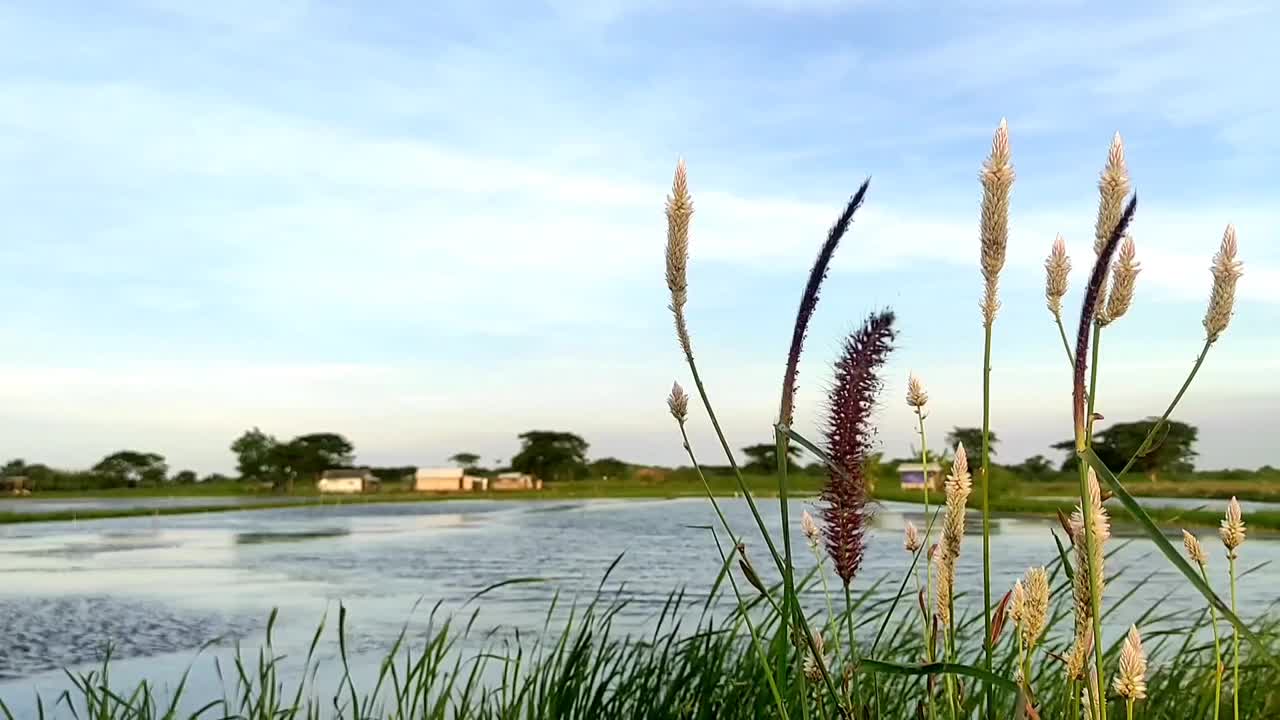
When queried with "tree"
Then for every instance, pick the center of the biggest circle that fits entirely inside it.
(551, 455)
(1170, 450)
(215, 478)
(1036, 466)
(972, 439)
(130, 468)
(763, 458)
(465, 459)
(184, 477)
(14, 468)
(609, 467)
(314, 453)
(253, 452)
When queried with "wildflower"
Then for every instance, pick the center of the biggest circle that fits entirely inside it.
(1232, 530)
(1056, 269)
(1088, 565)
(958, 486)
(911, 538)
(1078, 658)
(916, 395)
(678, 403)
(1017, 599)
(1123, 278)
(1131, 681)
(997, 182)
(679, 213)
(813, 662)
(1194, 550)
(810, 529)
(1226, 271)
(1113, 186)
(809, 300)
(1035, 608)
(849, 435)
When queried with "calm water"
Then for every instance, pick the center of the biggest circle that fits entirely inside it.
(158, 588)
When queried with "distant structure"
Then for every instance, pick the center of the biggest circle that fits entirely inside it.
(447, 480)
(349, 481)
(515, 481)
(15, 485)
(912, 476)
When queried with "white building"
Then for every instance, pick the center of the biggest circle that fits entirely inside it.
(347, 481)
(447, 480)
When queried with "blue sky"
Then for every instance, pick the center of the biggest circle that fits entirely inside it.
(431, 226)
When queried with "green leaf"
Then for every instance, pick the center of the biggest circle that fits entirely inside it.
(1162, 542)
(940, 668)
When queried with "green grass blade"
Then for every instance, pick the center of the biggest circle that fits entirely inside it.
(939, 668)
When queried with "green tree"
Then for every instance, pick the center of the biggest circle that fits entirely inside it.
(14, 468)
(129, 468)
(215, 478)
(465, 459)
(763, 458)
(253, 452)
(1035, 467)
(551, 455)
(609, 467)
(314, 453)
(972, 439)
(184, 477)
(1171, 448)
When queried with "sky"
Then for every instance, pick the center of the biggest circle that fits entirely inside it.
(433, 226)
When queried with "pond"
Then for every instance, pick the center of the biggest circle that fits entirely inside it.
(158, 588)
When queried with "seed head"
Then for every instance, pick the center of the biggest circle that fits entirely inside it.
(1035, 608)
(911, 538)
(1056, 269)
(1232, 530)
(916, 395)
(1088, 565)
(1017, 600)
(957, 487)
(812, 666)
(679, 213)
(1078, 659)
(678, 403)
(1226, 271)
(997, 183)
(1194, 550)
(1131, 681)
(943, 575)
(1124, 275)
(1113, 186)
(810, 529)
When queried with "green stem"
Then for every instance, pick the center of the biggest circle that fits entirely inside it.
(1217, 652)
(1066, 344)
(1098, 707)
(986, 513)
(1129, 710)
(826, 591)
(1235, 640)
(853, 647)
(788, 589)
(928, 566)
(1204, 351)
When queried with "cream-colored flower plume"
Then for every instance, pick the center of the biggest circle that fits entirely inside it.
(958, 486)
(1226, 271)
(1078, 658)
(1124, 276)
(1131, 681)
(1035, 606)
(911, 538)
(1232, 530)
(1056, 269)
(1017, 599)
(1195, 550)
(997, 183)
(812, 666)
(678, 403)
(1113, 188)
(1088, 564)
(679, 214)
(916, 395)
(810, 529)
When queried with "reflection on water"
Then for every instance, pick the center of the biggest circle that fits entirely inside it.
(159, 588)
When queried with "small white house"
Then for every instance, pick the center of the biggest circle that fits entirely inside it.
(447, 480)
(347, 482)
(515, 481)
(913, 475)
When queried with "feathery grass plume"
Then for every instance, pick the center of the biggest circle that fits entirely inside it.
(849, 434)
(958, 486)
(917, 398)
(812, 661)
(1226, 271)
(1092, 292)
(809, 300)
(1113, 186)
(911, 538)
(943, 584)
(1078, 658)
(1124, 277)
(1195, 550)
(810, 529)
(1017, 601)
(1232, 530)
(1130, 682)
(679, 213)
(1035, 608)
(678, 403)
(997, 182)
(1100, 524)
(1056, 269)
